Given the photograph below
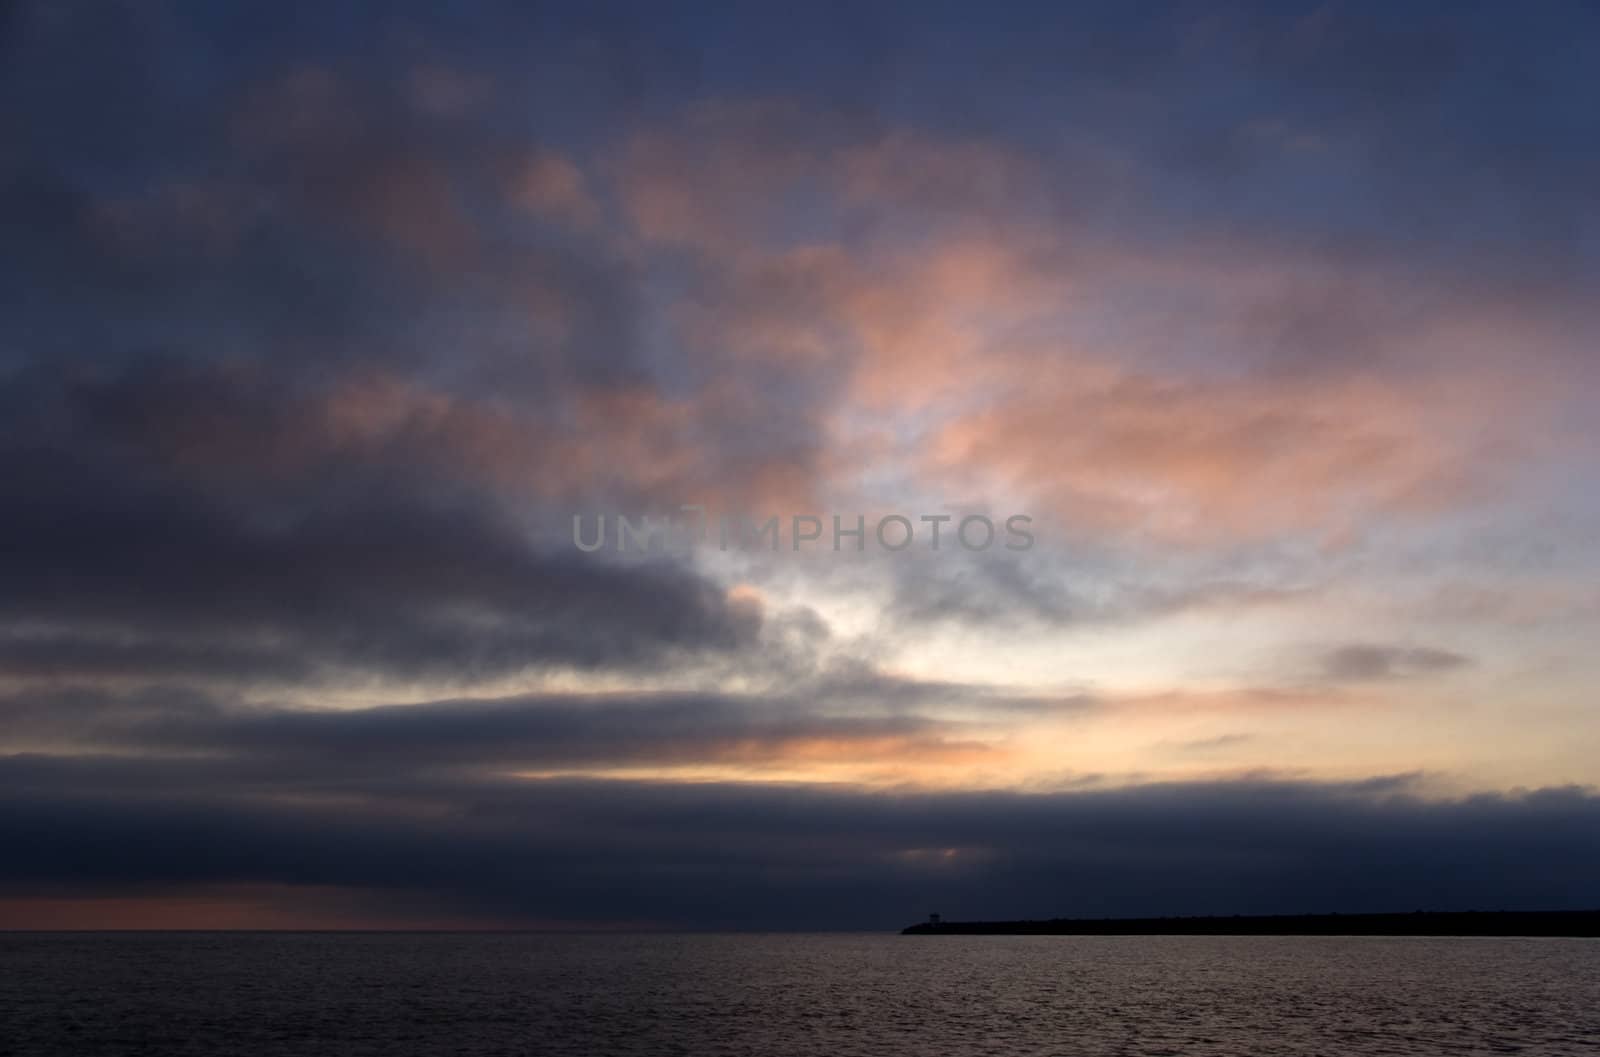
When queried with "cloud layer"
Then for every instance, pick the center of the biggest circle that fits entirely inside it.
(315, 335)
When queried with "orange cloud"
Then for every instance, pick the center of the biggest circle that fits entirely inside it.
(993, 341)
(931, 315)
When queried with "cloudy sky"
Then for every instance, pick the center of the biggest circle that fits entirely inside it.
(322, 321)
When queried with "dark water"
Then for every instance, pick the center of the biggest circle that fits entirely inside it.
(832, 995)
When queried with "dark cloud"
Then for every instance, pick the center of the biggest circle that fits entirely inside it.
(386, 592)
(755, 855)
(533, 732)
(115, 561)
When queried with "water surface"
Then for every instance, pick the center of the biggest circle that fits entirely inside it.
(254, 995)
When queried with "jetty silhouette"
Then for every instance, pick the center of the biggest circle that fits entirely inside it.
(1553, 923)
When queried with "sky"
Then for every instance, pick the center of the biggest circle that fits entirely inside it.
(329, 331)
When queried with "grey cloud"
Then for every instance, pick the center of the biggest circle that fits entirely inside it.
(1358, 662)
(1016, 591)
(1220, 741)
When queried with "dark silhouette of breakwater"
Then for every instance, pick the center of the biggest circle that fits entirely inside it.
(1572, 923)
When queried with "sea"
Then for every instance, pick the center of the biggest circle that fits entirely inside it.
(819, 995)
